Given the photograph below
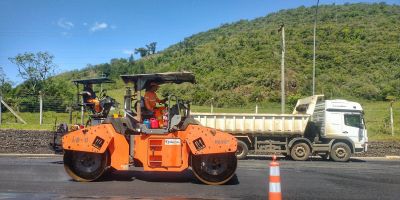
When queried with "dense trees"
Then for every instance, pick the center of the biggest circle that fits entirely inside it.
(358, 55)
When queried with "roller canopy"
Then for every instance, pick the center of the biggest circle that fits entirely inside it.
(93, 81)
(141, 81)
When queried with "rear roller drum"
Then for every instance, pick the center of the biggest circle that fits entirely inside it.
(85, 166)
(214, 169)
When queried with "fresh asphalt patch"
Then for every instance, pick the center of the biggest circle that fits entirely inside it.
(43, 177)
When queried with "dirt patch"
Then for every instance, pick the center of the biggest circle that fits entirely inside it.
(26, 141)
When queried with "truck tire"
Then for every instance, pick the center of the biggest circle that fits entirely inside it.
(242, 150)
(340, 152)
(300, 151)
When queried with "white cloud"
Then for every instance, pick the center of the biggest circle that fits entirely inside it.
(98, 26)
(63, 23)
(129, 52)
(65, 34)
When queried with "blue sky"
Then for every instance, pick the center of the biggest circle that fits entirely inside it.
(78, 33)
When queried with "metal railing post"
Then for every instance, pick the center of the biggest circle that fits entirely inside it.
(82, 113)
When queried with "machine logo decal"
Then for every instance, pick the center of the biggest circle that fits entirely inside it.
(199, 144)
(172, 142)
(98, 142)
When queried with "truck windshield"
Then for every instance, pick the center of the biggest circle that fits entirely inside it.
(353, 120)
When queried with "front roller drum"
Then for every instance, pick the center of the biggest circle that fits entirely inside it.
(214, 169)
(85, 166)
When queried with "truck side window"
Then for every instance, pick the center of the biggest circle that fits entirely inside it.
(352, 120)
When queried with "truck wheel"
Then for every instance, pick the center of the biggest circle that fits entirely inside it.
(85, 166)
(242, 150)
(214, 169)
(300, 151)
(340, 152)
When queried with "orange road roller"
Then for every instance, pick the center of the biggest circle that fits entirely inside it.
(168, 141)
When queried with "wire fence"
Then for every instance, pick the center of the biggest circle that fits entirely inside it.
(40, 109)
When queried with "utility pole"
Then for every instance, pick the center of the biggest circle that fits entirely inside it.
(282, 29)
(315, 31)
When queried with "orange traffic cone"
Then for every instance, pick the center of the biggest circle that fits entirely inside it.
(274, 180)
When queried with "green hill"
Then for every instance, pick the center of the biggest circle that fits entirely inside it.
(358, 56)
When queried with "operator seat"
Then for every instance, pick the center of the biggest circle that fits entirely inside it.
(146, 114)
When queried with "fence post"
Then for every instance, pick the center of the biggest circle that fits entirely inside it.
(41, 107)
(391, 117)
(70, 114)
(256, 105)
(212, 106)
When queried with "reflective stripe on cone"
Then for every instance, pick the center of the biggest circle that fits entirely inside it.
(274, 187)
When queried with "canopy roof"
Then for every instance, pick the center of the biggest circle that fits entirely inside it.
(141, 81)
(93, 81)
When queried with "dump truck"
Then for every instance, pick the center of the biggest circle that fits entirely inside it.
(333, 129)
(123, 143)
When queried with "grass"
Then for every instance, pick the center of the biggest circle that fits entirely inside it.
(32, 119)
(376, 116)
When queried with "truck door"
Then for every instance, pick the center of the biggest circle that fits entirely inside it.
(353, 127)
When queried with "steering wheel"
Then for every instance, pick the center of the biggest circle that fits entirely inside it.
(102, 94)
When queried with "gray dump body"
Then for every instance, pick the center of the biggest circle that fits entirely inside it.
(262, 124)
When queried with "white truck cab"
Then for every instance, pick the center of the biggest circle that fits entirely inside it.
(342, 119)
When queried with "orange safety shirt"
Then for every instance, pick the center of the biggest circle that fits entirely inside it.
(150, 100)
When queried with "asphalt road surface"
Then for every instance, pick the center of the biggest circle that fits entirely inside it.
(44, 178)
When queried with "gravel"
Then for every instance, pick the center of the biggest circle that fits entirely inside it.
(37, 142)
(381, 149)
(25, 141)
